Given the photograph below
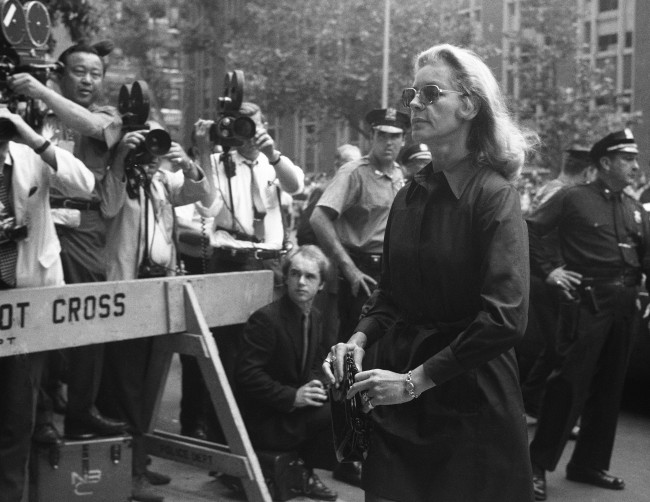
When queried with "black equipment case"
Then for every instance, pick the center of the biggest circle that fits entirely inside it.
(95, 470)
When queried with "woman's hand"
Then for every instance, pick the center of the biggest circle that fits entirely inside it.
(380, 388)
(333, 364)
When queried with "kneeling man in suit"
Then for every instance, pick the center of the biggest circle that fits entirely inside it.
(282, 398)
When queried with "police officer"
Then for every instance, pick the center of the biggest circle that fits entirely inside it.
(542, 315)
(413, 158)
(603, 236)
(350, 217)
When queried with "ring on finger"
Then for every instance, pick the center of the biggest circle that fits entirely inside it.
(364, 397)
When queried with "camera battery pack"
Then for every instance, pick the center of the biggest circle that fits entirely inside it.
(97, 470)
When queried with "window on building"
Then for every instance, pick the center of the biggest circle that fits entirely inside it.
(587, 38)
(629, 38)
(605, 5)
(627, 71)
(477, 15)
(607, 42)
(310, 146)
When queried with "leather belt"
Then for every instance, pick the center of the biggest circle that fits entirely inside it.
(369, 260)
(82, 205)
(249, 253)
(627, 280)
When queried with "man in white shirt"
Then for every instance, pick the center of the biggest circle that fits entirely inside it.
(28, 171)
(247, 232)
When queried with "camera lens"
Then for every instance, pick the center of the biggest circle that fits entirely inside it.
(244, 127)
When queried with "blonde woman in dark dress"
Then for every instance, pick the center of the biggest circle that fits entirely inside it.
(447, 415)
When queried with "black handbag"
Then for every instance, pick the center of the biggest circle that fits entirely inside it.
(350, 425)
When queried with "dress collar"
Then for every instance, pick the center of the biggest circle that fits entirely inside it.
(458, 175)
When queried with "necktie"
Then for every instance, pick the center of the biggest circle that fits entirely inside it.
(9, 249)
(305, 341)
(259, 211)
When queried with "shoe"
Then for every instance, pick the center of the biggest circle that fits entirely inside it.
(315, 489)
(91, 425)
(157, 478)
(46, 434)
(142, 491)
(349, 473)
(539, 483)
(575, 432)
(596, 477)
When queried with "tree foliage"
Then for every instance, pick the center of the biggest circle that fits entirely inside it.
(566, 98)
(79, 16)
(324, 59)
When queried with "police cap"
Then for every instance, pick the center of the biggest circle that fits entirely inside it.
(579, 152)
(616, 142)
(388, 120)
(415, 151)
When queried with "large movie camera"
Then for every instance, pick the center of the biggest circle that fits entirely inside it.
(24, 32)
(230, 128)
(133, 105)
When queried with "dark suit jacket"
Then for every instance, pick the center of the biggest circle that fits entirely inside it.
(268, 374)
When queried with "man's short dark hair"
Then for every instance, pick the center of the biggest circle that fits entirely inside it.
(100, 49)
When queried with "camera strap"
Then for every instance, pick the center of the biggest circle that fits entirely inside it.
(9, 248)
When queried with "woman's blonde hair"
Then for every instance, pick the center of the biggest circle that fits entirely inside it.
(494, 138)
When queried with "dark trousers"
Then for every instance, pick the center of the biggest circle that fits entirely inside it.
(85, 363)
(544, 307)
(350, 306)
(314, 444)
(228, 338)
(20, 378)
(593, 351)
(55, 371)
(194, 395)
(122, 392)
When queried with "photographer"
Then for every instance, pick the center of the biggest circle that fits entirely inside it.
(30, 260)
(247, 232)
(141, 243)
(89, 131)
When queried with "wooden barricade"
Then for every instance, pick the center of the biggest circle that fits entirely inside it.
(178, 311)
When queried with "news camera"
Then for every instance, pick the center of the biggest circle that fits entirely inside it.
(230, 128)
(134, 106)
(24, 32)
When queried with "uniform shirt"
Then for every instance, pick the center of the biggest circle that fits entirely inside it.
(601, 232)
(272, 231)
(455, 252)
(361, 195)
(92, 152)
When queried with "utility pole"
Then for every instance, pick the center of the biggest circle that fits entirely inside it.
(384, 84)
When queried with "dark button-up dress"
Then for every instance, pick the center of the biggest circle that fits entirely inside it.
(453, 297)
